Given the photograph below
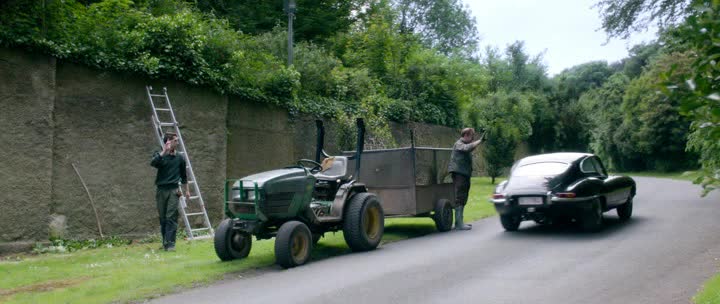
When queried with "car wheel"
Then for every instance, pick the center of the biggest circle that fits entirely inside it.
(293, 244)
(593, 219)
(510, 222)
(624, 211)
(231, 244)
(363, 222)
(443, 216)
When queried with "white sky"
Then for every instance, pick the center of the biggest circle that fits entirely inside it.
(565, 30)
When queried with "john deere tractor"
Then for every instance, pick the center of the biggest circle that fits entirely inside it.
(298, 204)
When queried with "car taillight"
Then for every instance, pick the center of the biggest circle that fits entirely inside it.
(565, 194)
(498, 196)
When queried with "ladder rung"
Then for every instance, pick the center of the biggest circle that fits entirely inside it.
(195, 197)
(196, 213)
(157, 95)
(199, 229)
(162, 109)
(167, 124)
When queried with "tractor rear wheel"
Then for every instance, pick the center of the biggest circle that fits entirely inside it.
(443, 216)
(363, 222)
(293, 244)
(231, 244)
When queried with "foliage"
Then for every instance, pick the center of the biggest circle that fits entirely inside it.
(445, 25)
(699, 93)
(656, 130)
(622, 17)
(315, 21)
(639, 57)
(572, 127)
(172, 39)
(507, 119)
(607, 118)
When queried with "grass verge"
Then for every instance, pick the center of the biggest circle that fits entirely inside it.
(135, 272)
(710, 293)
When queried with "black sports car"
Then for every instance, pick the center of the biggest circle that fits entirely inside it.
(555, 186)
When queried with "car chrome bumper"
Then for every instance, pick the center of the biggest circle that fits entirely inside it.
(551, 205)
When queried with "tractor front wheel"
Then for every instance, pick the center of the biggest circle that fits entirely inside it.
(293, 244)
(231, 244)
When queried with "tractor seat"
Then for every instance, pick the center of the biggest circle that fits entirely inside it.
(337, 170)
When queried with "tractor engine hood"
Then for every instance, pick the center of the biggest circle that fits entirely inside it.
(271, 176)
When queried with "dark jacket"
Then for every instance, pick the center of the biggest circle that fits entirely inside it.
(461, 158)
(171, 170)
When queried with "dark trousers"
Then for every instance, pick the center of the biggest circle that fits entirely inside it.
(461, 183)
(167, 205)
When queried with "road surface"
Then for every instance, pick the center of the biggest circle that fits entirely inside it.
(662, 255)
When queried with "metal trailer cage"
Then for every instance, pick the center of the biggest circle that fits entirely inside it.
(409, 181)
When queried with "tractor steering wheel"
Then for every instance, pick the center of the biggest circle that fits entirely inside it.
(316, 167)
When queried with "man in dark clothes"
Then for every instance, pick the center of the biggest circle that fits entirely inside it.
(171, 170)
(461, 168)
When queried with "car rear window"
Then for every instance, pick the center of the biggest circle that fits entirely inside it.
(541, 169)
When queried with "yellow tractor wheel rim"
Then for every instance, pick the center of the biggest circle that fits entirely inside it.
(371, 222)
(300, 246)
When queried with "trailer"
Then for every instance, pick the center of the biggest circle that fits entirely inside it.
(411, 182)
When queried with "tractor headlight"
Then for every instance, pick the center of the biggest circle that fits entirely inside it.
(250, 195)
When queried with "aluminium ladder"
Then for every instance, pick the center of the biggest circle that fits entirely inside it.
(160, 103)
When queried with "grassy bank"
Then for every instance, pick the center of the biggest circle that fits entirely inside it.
(710, 293)
(140, 271)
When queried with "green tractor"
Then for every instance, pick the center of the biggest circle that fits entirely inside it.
(298, 204)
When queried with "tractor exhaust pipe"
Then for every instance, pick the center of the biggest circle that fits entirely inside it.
(360, 145)
(320, 140)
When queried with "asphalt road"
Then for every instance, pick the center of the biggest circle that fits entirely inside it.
(662, 255)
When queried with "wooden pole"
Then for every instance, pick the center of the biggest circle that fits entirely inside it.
(97, 218)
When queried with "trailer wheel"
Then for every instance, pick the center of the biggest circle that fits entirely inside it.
(363, 222)
(293, 244)
(231, 244)
(443, 216)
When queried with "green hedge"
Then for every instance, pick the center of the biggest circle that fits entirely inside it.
(171, 39)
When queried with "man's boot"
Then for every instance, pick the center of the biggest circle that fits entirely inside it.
(459, 225)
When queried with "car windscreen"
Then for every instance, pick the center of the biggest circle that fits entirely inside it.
(541, 169)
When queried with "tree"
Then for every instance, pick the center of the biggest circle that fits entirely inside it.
(699, 91)
(507, 118)
(571, 120)
(445, 25)
(639, 57)
(606, 121)
(315, 20)
(622, 17)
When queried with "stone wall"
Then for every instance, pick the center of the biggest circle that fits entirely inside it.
(27, 85)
